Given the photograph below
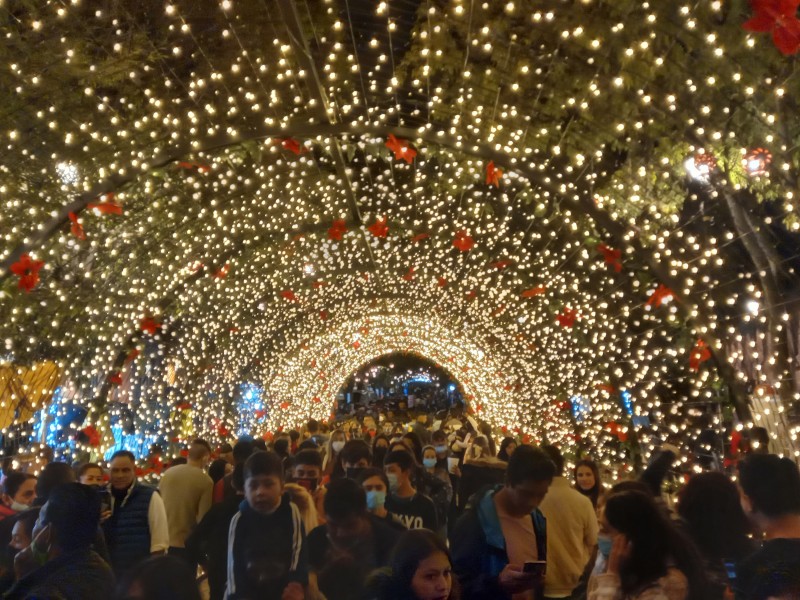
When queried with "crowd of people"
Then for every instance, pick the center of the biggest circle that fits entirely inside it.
(424, 508)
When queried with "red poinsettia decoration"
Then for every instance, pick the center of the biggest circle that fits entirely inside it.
(401, 149)
(107, 205)
(194, 166)
(611, 256)
(493, 174)
(293, 146)
(92, 435)
(534, 291)
(132, 355)
(337, 230)
(615, 429)
(222, 273)
(379, 228)
(463, 241)
(659, 295)
(149, 325)
(567, 317)
(501, 264)
(289, 295)
(27, 270)
(780, 18)
(115, 378)
(76, 228)
(409, 274)
(441, 282)
(700, 354)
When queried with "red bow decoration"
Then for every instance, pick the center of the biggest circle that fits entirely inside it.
(780, 18)
(107, 206)
(92, 435)
(501, 264)
(222, 431)
(149, 325)
(356, 344)
(285, 405)
(323, 314)
(660, 294)
(289, 295)
(223, 272)
(115, 378)
(401, 149)
(463, 241)
(700, 354)
(441, 282)
(567, 317)
(337, 230)
(76, 228)
(28, 272)
(292, 145)
(534, 291)
(493, 174)
(409, 274)
(379, 228)
(184, 406)
(419, 237)
(316, 400)
(260, 414)
(192, 166)
(611, 256)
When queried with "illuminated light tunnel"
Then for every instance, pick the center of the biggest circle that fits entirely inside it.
(551, 206)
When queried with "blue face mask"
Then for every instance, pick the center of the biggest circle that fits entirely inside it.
(393, 483)
(375, 499)
(429, 462)
(604, 544)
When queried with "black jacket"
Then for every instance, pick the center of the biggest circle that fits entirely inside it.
(80, 575)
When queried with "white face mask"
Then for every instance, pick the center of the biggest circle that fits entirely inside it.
(19, 507)
(337, 446)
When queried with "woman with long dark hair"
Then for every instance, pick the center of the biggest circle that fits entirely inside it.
(420, 569)
(712, 515)
(650, 557)
(587, 480)
(507, 447)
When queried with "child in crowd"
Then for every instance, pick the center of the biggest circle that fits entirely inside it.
(267, 557)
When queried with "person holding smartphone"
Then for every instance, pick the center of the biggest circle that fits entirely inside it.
(499, 546)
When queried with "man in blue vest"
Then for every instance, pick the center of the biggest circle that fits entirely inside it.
(137, 526)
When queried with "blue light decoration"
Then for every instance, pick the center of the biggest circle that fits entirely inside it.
(627, 402)
(581, 408)
(251, 401)
(451, 388)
